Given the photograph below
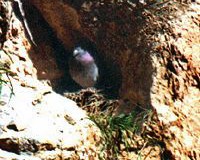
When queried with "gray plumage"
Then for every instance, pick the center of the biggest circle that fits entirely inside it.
(82, 68)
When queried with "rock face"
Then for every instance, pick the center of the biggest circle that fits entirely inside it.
(57, 20)
(176, 84)
(41, 125)
(156, 51)
(36, 123)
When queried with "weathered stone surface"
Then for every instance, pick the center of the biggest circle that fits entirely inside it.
(63, 18)
(53, 127)
(37, 123)
(176, 85)
(157, 52)
(160, 61)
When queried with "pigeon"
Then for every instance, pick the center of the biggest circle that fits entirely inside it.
(82, 68)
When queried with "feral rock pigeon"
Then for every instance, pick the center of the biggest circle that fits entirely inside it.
(82, 68)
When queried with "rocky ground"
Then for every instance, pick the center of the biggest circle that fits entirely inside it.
(146, 102)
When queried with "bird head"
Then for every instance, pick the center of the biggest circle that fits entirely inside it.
(82, 55)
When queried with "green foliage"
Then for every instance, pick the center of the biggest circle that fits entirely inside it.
(115, 129)
(1, 82)
(5, 71)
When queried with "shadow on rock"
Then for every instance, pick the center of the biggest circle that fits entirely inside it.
(50, 58)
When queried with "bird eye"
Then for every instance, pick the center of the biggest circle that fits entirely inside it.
(75, 53)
